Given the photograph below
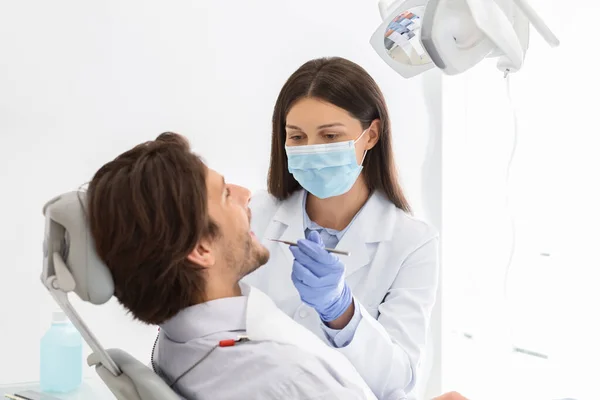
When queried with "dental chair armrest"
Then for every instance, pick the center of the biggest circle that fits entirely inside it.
(137, 382)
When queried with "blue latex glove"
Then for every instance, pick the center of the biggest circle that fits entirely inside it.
(319, 278)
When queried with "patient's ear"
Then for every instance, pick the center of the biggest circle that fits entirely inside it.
(202, 255)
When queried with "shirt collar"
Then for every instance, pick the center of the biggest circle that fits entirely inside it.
(200, 320)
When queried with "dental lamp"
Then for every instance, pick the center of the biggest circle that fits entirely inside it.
(455, 35)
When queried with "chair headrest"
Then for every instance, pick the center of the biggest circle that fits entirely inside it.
(67, 233)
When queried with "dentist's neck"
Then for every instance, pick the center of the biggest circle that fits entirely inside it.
(337, 212)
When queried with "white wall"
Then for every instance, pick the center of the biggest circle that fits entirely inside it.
(552, 301)
(432, 177)
(80, 82)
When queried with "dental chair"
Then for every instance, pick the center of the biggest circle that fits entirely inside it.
(72, 265)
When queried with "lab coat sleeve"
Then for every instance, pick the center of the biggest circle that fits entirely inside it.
(386, 351)
(341, 337)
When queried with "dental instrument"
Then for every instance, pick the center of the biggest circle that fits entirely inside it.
(334, 251)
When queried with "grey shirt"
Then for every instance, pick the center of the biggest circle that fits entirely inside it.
(251, 370)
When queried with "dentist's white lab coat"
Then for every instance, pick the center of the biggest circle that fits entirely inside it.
(392, 271)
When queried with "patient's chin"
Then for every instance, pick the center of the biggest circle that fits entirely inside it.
(263, 256)
(259, 257)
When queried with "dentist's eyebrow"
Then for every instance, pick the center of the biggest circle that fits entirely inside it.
(331, 125)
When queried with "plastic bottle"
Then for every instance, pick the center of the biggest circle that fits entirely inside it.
(61, 356)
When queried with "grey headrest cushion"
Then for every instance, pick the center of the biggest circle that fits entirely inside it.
(67, 232)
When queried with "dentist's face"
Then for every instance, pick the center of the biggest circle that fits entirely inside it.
(312, 121)
(236, 245)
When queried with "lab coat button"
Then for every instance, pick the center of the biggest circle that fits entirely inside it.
(303, 313)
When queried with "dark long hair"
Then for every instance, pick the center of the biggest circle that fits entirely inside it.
(347, 86)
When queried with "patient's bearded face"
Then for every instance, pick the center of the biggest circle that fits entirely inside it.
(239, 248)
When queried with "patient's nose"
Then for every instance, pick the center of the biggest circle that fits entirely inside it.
(241, 194)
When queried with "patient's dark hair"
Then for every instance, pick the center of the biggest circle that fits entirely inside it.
(147, 210)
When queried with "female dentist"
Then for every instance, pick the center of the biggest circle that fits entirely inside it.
(333, 183)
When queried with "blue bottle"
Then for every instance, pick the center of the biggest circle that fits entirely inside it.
(61, 356)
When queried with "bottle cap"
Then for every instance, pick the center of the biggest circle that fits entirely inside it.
(59, 317)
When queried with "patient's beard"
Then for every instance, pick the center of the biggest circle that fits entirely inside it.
(253, 256)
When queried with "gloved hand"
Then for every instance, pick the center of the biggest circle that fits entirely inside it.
(319, 278)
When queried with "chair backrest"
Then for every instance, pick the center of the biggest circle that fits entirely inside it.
(71, 264)
(68, 234)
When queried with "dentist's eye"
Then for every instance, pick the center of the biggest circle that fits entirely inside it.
(330, 136)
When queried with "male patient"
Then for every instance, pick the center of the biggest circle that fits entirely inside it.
(176, 238)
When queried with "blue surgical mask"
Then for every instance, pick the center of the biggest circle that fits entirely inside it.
(325, 170)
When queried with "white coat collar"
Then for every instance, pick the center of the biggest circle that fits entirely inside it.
(374, 224)
(264, 321)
